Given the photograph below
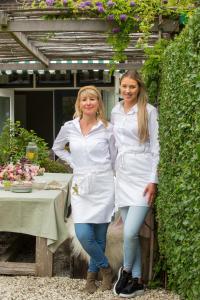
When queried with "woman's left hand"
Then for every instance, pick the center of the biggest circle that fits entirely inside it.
(150, 191)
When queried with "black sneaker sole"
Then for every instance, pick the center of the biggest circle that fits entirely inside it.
(134, 294)
(114, 288)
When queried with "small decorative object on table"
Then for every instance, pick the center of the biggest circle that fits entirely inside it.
(21, 187)
(32, 152)
(39, 184)
(6, 185)
(18, 177)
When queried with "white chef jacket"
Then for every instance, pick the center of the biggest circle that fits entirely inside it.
(84, 151)
(126, 134)
(92, 158)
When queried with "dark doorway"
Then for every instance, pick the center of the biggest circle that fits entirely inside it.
(34, 109)
(64, 107)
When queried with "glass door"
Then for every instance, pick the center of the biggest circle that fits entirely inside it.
(6, 106)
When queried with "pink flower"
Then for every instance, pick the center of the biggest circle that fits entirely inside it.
(11, 176)
(19, 172)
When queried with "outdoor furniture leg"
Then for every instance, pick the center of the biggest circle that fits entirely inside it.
(151, 256)
(44, 258)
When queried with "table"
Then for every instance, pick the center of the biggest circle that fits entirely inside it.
(41, 214)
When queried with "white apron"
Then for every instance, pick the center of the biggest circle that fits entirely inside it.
(133, 171)
(92, 195)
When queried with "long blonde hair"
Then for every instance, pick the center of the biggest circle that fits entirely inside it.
(142, 98)
(91, 90)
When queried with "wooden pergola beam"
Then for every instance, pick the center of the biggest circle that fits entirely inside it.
(69, 25)
(21, 39)
(67, 66)
(81, 25)
(3, 19)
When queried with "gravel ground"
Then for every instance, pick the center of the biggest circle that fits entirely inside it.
(62, 288)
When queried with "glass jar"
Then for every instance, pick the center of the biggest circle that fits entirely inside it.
(32, 152)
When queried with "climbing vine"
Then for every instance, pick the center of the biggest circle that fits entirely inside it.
(152, 68)
(124, 16)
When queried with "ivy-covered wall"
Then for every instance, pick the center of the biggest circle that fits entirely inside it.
(178, 203)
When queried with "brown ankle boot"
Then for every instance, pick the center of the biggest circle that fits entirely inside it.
(107, 279)
(90, 286)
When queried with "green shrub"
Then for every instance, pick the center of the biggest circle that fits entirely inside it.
(178, 203)
(52, 166)
(13, 142)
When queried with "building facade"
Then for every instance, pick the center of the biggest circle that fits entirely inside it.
(43, 100)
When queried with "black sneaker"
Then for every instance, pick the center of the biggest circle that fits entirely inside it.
(122, 280)
(132, 289)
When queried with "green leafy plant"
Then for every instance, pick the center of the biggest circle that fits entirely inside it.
(52, 166)
(178, 203)
(124, 16)
(13, 142)
(152, 68)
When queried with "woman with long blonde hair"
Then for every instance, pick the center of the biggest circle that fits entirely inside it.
(136, 133)
(92, 154)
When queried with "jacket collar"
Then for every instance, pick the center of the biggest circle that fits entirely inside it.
(134, 108)
(76, 123)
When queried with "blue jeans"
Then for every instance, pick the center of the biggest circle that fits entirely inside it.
(133, 217)
(93, 240)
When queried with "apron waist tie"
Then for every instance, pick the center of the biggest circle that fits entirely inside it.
(86, 180)
(122, 153)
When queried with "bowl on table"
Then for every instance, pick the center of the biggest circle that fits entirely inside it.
(22, 187)
(39, 184)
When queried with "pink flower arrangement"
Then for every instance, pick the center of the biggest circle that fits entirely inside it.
(20, 172)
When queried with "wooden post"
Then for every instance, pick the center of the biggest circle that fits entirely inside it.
(44, 258)
(151, 252)
(3, 19)
(117, 77)
(147, 246)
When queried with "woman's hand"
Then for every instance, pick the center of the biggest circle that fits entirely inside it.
(150, 191)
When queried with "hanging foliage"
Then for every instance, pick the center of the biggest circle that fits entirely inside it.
(124, 16)
(152, 68)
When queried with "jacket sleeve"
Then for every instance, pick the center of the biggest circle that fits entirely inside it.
(112, 146)
(59, 146)
(112, 117)
(154, 144)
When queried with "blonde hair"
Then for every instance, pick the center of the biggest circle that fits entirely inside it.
(91, 90)
(142, 99)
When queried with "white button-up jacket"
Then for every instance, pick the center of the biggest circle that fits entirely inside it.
(126, 134)
(96, 150)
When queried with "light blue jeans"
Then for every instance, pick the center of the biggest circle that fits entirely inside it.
(133, 217)
(93, 240)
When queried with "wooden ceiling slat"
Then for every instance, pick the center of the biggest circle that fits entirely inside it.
(78, 66)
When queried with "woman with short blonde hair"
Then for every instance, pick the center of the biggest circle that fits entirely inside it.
(92, 154)
(92, 90)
